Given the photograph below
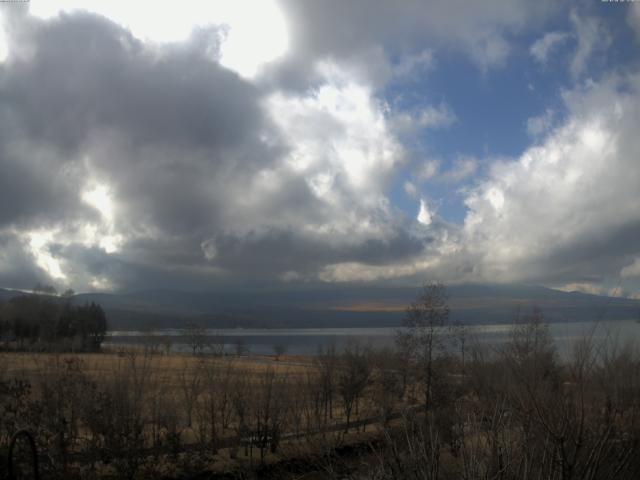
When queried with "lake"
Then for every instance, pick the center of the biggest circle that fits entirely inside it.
(306, 341)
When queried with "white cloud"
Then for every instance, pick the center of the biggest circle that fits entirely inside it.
(427, 170)
(410, 188)
(540, 124)
(543, 47)
(424, 215)
(583, 287)
(342, 145)
(566, 212)
(252, 40)
(436, 117)
(616, 292)
(490, 50)
(39, 242)
(416, 63)
(633, 17)
(559, 196)
(462, 168)
(102, 233)
(430, 117)
(99, 197)
(592, 36)
(480, 30)
(632, 270)
(4, 43)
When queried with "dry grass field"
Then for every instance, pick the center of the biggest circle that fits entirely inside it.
(96, 365)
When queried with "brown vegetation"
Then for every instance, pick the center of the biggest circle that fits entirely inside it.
(419, 411)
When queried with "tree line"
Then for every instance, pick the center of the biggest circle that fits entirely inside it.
(46, 322)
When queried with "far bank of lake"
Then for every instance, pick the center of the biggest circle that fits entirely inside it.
(308, 341)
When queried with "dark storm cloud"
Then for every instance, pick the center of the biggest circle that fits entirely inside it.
(152, 122)
(165, 128)
(280, 251)
(592, 258)
(182, 145)
(34, 194)
(85, 72)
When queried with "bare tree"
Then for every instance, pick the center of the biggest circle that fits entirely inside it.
(353, 377)
(422, 336)
(326, 361)
(190, 381)
(279, 350)
(240, 347)
(196, 337)
(215, 409)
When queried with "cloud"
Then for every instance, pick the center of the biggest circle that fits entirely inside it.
(633, 17)
(340, 30)
(411, 64)
(631, 270)
(490, 50)
(429, 117)
(410, 188)
(461, 169)
(568, 207)
(339, 136)
(139, 122)
(564, 213)
(588, 288)
(154, 160)
(424, 215)
(540, 124)
(433, 117)
(130, 164)
(427, 170)
(592, 36)
(544, 46)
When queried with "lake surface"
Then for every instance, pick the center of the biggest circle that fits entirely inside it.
(306, 341)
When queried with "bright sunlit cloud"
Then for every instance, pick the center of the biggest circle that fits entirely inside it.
(4, 47)
(100, 199)
(256, 30)
(103, 235)
(255, 39)
(424, 215)
(39, 242)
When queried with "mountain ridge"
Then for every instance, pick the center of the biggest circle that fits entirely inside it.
(349, 305)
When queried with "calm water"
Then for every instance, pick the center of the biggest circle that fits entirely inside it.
(309, 340)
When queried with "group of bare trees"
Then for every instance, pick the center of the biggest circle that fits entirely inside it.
(515, 411)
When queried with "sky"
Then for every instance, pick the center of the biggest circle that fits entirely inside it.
(205, 145)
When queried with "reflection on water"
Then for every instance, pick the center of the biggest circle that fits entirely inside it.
(308, 340)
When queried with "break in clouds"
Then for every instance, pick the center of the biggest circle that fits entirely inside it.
(130, 163)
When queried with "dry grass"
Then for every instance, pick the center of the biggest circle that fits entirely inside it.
(27, 365)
